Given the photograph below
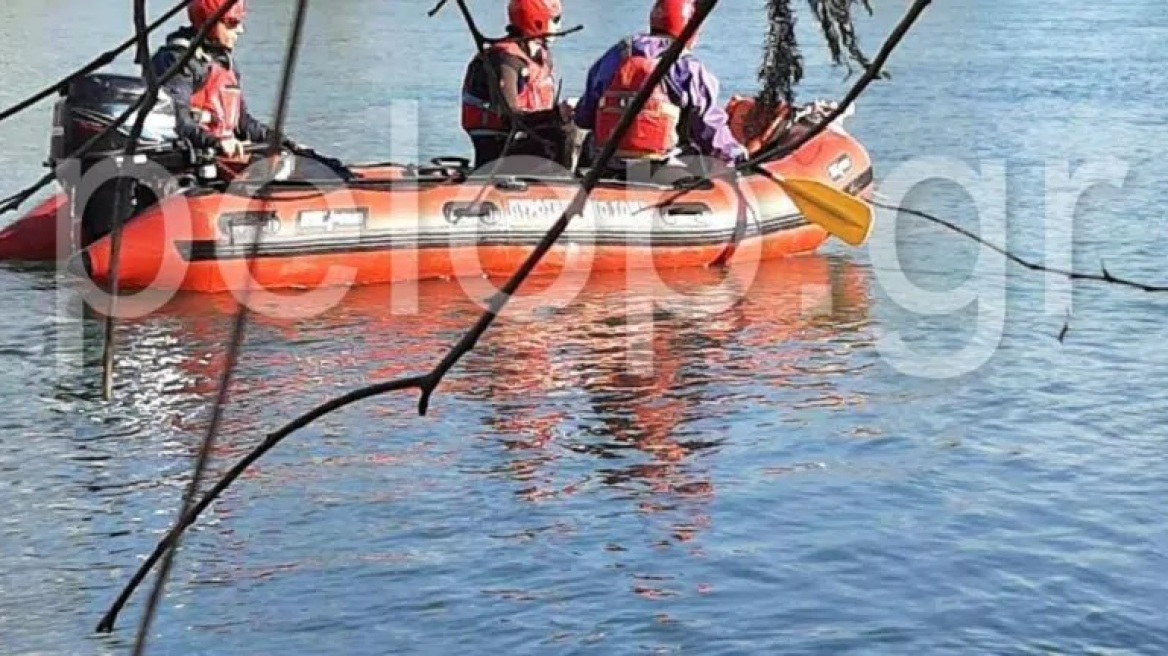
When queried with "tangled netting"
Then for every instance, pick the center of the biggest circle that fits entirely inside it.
(782, 64)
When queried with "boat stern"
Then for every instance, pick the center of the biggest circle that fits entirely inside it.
(35, 237)
(148, 255)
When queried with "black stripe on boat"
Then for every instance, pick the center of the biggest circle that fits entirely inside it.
(861, 182)
(209, 250)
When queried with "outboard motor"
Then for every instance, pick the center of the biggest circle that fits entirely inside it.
(88, 105)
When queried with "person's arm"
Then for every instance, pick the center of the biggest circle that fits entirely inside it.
(598, 78)
(709, 127)
(509, 68)
(250, 128)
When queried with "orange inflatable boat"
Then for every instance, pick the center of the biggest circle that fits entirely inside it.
(394, 223)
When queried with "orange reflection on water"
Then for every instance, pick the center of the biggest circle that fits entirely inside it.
(638, 350)
(623, 378)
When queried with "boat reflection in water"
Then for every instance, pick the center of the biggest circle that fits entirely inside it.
(601, 391)
(619, 394)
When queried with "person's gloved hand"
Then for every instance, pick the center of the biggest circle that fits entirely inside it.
(232, 149)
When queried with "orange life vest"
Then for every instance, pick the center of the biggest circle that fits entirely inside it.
(537, 89)
(752, 131)
(216, 105)
(653, 133)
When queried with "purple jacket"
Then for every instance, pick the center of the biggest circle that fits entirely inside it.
(690, 84)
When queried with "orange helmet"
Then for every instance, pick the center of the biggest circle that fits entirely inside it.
(201, 11)
(532, 18)
(670, 16)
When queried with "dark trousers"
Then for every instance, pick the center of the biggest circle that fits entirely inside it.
(526, 154)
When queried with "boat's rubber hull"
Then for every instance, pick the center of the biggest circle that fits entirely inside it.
(211, 272)
(34, 237)
(409, 230)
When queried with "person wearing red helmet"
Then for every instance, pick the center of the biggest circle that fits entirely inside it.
(524, 78)
(210, 112)
(683, 111)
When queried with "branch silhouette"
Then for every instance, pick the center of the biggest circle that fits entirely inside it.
(235, 344)
(104, 59)
(1104, 276)
(14, 201)
(122, 190)
(427, 383)
(775, 149)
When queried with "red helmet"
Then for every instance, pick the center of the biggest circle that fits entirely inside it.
(533, 17)
(670, 16)
(200, 11)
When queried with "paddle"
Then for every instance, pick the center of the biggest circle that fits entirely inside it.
(839, 213)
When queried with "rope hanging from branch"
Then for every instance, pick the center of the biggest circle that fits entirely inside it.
(835, 19)
(782, 65)
(781, 68)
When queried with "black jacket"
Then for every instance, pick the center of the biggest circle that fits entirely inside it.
(190, 79)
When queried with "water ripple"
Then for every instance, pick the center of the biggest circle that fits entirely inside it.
(736, 466)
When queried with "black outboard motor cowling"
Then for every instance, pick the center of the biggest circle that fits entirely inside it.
(88, 105)
(92, 103)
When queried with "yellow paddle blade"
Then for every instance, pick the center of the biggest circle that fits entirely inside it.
(840, 214)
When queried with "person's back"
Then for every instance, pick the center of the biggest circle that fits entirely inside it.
(684, 111)
(519, 73)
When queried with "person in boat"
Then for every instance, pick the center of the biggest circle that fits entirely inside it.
(210, 112)
(683, 116)
(518, 71)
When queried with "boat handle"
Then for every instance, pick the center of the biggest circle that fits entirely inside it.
(687, 209)
(451, 162)
(511, 184)
(485, 212)
(477, 212)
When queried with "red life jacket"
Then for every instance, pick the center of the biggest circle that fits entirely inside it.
(653, 133)
(216, 105)
(537, 90)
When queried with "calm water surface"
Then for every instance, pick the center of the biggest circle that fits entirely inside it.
(780, 480)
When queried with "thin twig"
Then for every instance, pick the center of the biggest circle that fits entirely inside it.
(1105, 275)
(15, 200)
(482, 42)
(479, 36)
(235, 343)
(121, 188)
(101, 60)
(516, 121)
(775, 151)
(428, 383)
